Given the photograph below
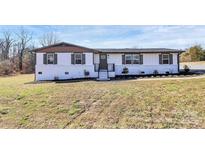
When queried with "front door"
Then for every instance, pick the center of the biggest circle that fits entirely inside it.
(103, 61)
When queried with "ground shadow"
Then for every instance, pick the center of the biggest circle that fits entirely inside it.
(61, 81)
(127, 77)
(198, 71)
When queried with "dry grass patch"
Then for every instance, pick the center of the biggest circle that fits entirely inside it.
(91, 104)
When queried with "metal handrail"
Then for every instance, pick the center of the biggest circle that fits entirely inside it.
(107, 72)
(97, 68)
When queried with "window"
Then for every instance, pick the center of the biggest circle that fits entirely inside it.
(103, 56)
(66, 73)
(39, 72)
(78, 58)
(132, 59)
(136, 59)
(128, 59)
(165, 59)
(50, 58)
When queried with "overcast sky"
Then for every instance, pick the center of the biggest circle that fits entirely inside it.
(121, 36)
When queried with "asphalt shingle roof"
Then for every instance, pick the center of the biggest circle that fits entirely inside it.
(137, 50)
(67, 47)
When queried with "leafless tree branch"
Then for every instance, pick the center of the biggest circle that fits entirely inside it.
(49, 39)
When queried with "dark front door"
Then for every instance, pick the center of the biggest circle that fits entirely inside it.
(103, 61)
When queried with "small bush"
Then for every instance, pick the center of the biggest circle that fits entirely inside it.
(155, 72)
(125, 70)
(6, 67)
(86, 73)
(56, 78)
(28, 64)
(186, 68)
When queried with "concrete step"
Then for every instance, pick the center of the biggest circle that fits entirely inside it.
(103, 76)
(103, 70)
(99, 79)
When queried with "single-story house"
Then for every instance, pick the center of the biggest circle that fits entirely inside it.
(63, 61)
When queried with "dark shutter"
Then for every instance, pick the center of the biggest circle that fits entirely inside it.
(170, 59)
(55, 58)
(72, 59)
(141, 59)
(123, 59)
(83, 58)
(44, 58)
(160, 59)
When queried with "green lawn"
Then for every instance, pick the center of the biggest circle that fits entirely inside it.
(91, 104)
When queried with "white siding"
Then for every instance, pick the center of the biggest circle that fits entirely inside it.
(39, 58)
(64, 59)
(96, 59)
(150, 64)
(115, 58)
(49, 72)
(175, 59)
(150, 59)
(89, 58)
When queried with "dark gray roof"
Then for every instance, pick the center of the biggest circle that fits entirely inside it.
(140, 50)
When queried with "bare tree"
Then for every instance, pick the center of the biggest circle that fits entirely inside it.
(22, 44)
(49, 39)
(7, 44)
(1, 49)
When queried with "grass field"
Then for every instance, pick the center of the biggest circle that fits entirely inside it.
(91, 104)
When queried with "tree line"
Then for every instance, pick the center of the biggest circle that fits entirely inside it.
(194, 53)
(15, 55)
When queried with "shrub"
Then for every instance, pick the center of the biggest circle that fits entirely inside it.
(125, 70)
(28, 65)
(86, 73)
(155, 72)
(186, 68)
(56, 78)
(6, 67)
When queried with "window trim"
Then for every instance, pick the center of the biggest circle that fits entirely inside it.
(81, 58)
(126, 55)
(138, 58)
(132, 59)
(53, 57)
(165, 59)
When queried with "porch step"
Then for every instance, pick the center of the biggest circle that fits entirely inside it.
(99, 79)
(103, 76)
(103, 70)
